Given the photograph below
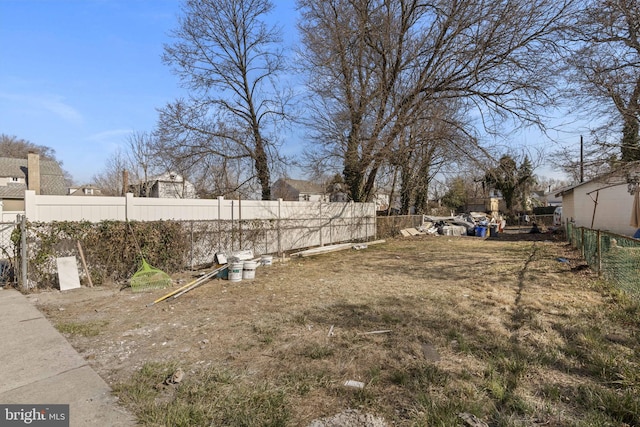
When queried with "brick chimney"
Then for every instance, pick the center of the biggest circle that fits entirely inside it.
(33, 171)
(125, 182)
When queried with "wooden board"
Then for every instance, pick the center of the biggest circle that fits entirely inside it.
(68, 273)
(323, 249)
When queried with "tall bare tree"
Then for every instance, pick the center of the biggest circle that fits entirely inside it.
(606, 68)
(143, 158)
(110, 178)
(418, 154)
(229, 59)
(376, 64)
(18, 148)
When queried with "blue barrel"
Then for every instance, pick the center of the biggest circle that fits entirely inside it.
(481, 231)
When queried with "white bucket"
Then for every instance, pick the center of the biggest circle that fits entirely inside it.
(235, 271)
(266, 260)
(249, 270)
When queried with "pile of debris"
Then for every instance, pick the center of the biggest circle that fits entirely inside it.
(458, 225)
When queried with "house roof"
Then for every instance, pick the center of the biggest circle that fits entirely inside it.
(613, 177)
(52, 179)
(304, 186)
(80, 191)
(13, 191)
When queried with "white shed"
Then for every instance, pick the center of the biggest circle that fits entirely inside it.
(604, 203)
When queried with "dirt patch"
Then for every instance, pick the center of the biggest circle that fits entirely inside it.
(426, 324)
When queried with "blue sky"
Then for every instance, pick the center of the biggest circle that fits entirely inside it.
(80, 76)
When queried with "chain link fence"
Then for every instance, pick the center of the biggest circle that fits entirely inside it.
(390, 226)
(8, 254)
(616, 258)
(112, 248)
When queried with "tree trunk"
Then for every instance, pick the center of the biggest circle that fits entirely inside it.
(630, 140)
(262, 169)
(353, 175)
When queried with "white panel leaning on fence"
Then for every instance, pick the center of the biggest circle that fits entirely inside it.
(299, 224)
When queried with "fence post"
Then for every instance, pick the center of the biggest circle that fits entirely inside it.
(599, 251)
(191, 252)
(128, 206)
(240, 223)
(23, 251)
(321, 220)
(220, 199)
(331, 229)
(232, 232)
(582, 241)
(279, 225)
(352, 219)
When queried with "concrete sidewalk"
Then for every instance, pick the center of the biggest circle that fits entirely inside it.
(39, 366)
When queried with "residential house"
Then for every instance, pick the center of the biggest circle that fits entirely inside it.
(84, 190)
(554, 199)
(169, 185)
(298, 190)
(603, 203)
(17, 175)
(382, 201)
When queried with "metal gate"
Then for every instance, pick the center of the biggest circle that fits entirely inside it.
(8, 254)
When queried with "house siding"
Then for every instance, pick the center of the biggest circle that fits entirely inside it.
(600, 205)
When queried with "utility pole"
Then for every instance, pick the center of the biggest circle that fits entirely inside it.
(581, 160)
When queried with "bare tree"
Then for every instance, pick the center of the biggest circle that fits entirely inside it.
(143, 159)
(606, 69)
(110, 179)
(418, 155)
(375, 65)
(18, 148)
(230, 60)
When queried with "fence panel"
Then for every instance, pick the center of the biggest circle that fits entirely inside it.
(615, 257)
(209, 226)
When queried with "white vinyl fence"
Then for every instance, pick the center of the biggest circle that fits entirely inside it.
(263, 226)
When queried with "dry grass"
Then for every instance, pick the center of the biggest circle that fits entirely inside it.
(498, 329)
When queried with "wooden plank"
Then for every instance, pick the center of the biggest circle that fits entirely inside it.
(405, 233)
(323, 249)
(84, 264)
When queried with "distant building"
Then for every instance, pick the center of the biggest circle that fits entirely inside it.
(381, 199)
(169, 186)
(84, 190)
(17, 175)
(298, 190)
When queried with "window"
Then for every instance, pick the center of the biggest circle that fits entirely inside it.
(88, 191)
(15, 179)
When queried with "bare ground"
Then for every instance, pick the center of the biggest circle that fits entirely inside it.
(455, 307)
